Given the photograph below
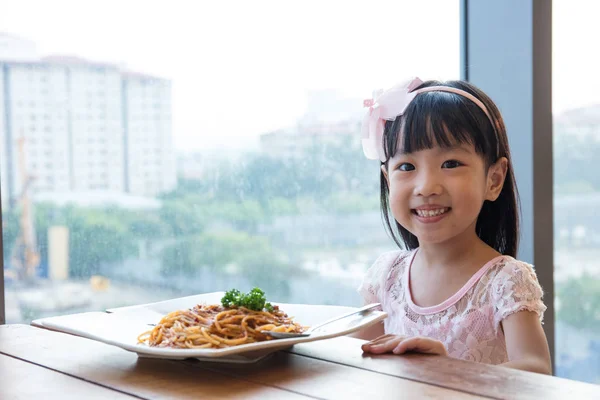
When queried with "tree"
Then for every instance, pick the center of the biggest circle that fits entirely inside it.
(182, 217)
(323, 171)
(573, 152)
(579, 302)
(10, 230)
(96, 238)
(146, 225)
(250, 255)
(177, 259)
(242, 215)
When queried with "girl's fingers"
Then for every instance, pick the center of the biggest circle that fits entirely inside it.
(402, 344)
(382, 344)
(383, 338)
(420, 345)
(376, 342)
(384, 347)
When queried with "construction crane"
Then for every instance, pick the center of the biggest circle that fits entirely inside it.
(25, 257)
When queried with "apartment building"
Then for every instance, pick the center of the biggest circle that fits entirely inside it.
(151, 165)
(84, 126)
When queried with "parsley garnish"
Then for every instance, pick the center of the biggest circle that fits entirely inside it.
(253, 300)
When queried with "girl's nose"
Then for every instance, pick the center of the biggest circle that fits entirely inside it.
(428, 184)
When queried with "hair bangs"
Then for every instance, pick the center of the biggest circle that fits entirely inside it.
(438, 119)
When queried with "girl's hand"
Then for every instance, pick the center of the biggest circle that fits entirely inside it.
(402, 344)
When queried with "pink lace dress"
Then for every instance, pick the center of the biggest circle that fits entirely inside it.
(468, 323)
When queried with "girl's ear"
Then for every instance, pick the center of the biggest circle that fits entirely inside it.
(385, 174)
(495, 179)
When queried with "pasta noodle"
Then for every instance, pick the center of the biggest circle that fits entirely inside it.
(215, 326)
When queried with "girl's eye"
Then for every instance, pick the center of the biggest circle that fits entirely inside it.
(451, 164)
(406, 167)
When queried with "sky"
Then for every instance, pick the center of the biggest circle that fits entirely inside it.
(242, 68)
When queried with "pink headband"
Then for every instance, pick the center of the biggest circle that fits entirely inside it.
(389, 104)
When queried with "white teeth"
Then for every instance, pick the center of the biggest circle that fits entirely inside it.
(431, 213)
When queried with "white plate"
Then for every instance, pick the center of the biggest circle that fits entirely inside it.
(121, 327)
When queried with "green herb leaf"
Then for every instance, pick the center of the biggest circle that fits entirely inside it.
(231, 298)
(253, 300)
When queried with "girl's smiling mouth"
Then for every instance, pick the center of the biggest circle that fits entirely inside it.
(430, 213)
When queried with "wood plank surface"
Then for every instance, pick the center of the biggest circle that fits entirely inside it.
(123, 371)
(328, 380)
(23, 380)
(283, 375)
(485, 380)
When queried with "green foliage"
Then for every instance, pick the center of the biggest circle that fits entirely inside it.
(146, 225)
(225, 247)
(244, 216)
(10, 230)
(178, 258)
(271, 186)
(182, 217)
(579, 302)
(249, 254)
(96, 237)
(575, 162)
(214, 223)
(278, 206)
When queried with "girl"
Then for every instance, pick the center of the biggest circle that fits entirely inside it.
(447, 180)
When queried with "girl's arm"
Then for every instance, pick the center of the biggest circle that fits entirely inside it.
(526, 343)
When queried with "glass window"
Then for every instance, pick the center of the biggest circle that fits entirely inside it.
(296, 217)
(576, 109)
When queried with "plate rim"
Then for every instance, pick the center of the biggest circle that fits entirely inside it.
(208, 353)
(53, 323)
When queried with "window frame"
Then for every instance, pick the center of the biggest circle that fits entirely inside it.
(522, 29)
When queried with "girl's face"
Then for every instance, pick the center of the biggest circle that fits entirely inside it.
(437, 194)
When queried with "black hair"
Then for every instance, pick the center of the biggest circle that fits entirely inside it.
(445, 119)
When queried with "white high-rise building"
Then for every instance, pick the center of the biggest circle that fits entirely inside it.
(87, 127)
(16, 49)
(95, 109)
(35, 111)
(150, 165)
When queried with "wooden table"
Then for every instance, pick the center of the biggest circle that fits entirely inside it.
(37, 363)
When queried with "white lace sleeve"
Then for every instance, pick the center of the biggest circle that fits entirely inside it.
(516, 288)
(373, 283)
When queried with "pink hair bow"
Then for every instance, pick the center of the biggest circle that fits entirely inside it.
(384, 106)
